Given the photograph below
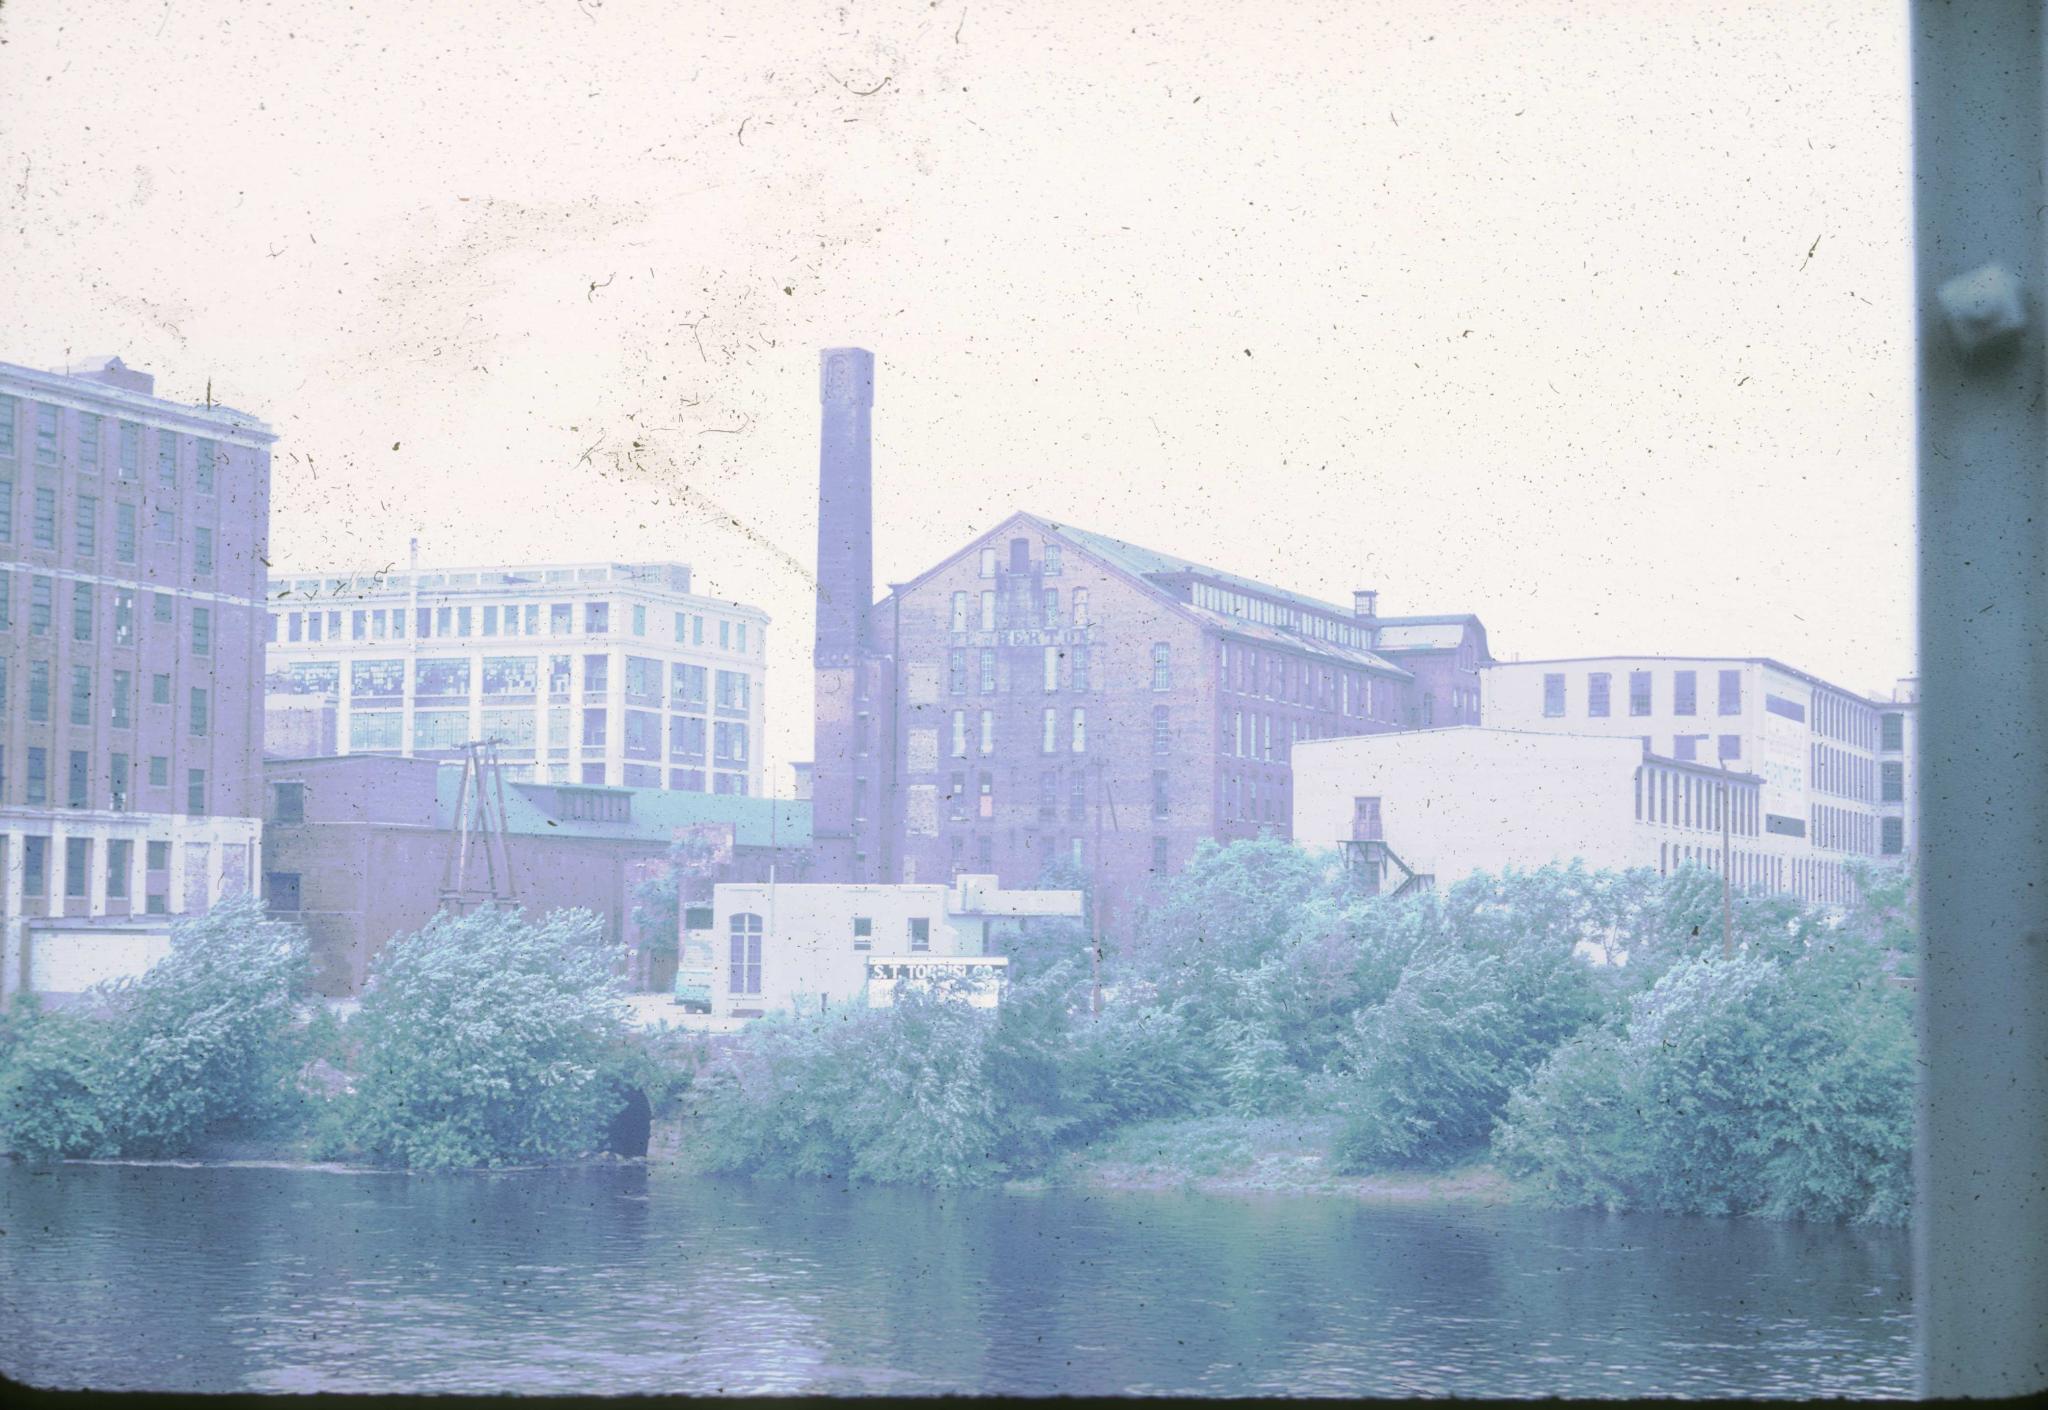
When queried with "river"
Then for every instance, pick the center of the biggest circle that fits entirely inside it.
(627, 1279)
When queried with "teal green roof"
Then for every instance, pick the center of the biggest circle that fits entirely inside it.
(653, 814)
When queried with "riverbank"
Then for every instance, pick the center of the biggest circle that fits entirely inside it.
(1222, 1155)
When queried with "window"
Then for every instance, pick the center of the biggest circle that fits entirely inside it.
(959, 612)
(124, 685)
(79, 779)
(1162, 730)
(729, 742)
(988, 611)
(986, 786)
(88, 442)
(43, 523)
(202, 631)
(8, 407)
(195, 792)
(81, 611)
(1639, 692)
(593, 728)
(1052, 668)
(1162, 666)
(1080, 607)
(1685, 690)
(202, 550)
(167, 457)
(1892, 785)
(1080, 737)
(639, 620)
(732, 690)
(37, 784)
(920, 934)
(41, 592)
(1553, 694)
(46, 435)
(35, 864)
(77, 857)
(1160, 854)
(203, 465)
(124, 617)
(120, 860)
(597, 617)
(1077, 797)
(1052, 560)
(1596, 694)
(1731, 692)
(1729, 746)
(744, 973)
(160, 688)
(1891, 729)
(988, 561)
(1161, 807)
(197, 717)
(863, 932)
(1894, 836)
(38, 692)
(81, 695)
(596, 674)
(162, 605)
(988, 731)
(87, 527)
(163, 525)
(1049, 740)
(159, 777)
(959, 734)
(956, 671)
(281, 892)
(288, 802)
(126, 466)
(6, 502)
(686, 687)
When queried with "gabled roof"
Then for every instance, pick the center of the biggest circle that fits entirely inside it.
(1145, 561)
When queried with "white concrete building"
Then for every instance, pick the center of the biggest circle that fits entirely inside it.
(601, 673)
(1432, 807)
(1815, 745)
(763, 946)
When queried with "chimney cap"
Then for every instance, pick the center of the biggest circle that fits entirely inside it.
(846, 375)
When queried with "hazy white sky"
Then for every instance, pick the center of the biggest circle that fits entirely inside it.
(1589, 318)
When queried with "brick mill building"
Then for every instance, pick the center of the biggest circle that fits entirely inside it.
(132, 536)
(1046, 694)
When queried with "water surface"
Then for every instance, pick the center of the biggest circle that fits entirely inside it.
(629, 1280)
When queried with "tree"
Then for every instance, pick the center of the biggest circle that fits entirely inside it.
(489, 1039)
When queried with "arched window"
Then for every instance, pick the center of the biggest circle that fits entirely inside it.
(745, 973)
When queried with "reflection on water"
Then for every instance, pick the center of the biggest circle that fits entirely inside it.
(625, 1280)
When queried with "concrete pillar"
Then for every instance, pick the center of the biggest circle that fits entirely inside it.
(13, 926)
(138, 873)
(54, 873)
(96, 864)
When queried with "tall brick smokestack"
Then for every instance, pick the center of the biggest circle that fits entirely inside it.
(846, 575)
(846, 499)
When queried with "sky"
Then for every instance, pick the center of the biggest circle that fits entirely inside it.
(1592, 319)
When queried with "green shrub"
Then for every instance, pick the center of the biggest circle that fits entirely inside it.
(207, 1042)
(489, 1039)
(1746, 1086)
(1135, 1063)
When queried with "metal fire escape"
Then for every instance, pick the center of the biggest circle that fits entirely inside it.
(478, 873)
(1370, 858)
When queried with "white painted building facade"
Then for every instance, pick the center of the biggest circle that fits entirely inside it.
(1443, 804)
(762, 947)
(601, 673)
(1816, 747)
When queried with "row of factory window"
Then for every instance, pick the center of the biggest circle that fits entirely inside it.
(994, 613)
(1844, 774)
(80, 789)
(46, 531)
(1245, 801)
(1059, 731)
(39, 691)
(493, 620)
(384, 731)
(1685, 693)
(84, 612)
(1020, 558)
(1285, 616)
(88, 441)
(1055, 662)
(1250, 734)
(119, 853)
(1810, 879)
(1844, 830)
(1278, 676)
(1837, 716)
(1679, 798)
(515, 677)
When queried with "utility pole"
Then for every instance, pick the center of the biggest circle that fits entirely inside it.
(1727, 890)
(1095, 906)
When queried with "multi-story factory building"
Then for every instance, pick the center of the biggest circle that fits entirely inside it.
(594, 673)
(133, 531)
(1820, 750)
(1045, 694)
